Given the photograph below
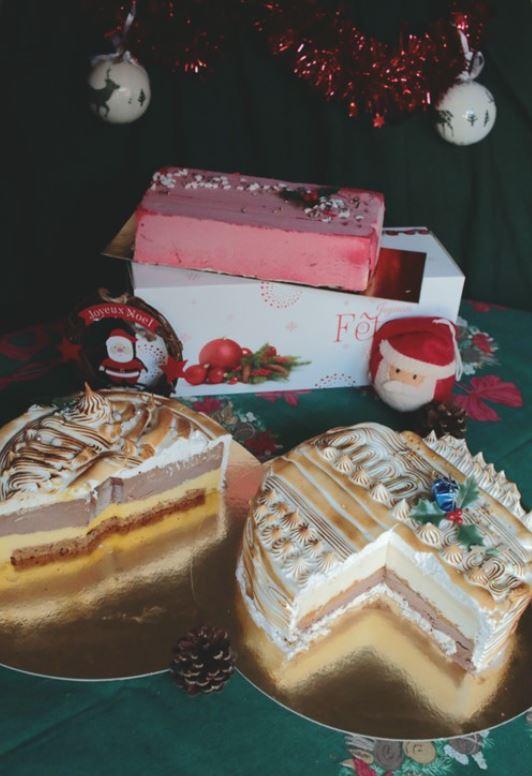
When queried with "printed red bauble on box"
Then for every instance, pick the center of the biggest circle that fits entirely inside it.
(224, 353)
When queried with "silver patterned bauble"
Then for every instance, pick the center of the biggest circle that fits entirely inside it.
(466, 113)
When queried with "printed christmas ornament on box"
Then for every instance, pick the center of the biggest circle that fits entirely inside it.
(224, 361)
(119, 89)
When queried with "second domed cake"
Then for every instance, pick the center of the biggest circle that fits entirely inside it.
(365, 516)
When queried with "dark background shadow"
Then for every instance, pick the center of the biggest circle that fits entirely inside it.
(69, 181)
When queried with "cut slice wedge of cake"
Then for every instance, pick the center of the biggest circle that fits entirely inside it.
(106, 463)
(336, 525)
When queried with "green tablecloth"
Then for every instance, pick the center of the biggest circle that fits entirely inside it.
(148, 726)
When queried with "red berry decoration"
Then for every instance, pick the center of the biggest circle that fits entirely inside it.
(455, 516)
(247, 352)
(195, 374)
(225, 353)
(216, 375)
(270, 352)
(232, 380)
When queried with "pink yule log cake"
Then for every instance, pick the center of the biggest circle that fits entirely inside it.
(261, 228)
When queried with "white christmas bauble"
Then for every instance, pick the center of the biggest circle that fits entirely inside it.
(119, 90)
(466, 113)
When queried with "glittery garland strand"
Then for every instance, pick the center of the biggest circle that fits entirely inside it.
(366, 75)
(323, 47)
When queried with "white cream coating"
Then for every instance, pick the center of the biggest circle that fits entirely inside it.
(395, 472)
(180, 450)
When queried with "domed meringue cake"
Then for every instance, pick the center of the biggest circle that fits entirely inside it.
(106, 463)
(341, 522)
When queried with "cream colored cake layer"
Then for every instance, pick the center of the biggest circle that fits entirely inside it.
(337, 508)
(396, 555)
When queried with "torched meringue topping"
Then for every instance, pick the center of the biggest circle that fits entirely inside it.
(97, 435)
(394, 473)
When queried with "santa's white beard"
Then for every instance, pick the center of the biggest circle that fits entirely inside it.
(402, 396)
(120, 349)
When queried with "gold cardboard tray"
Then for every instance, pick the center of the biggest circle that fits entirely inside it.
(119, 614)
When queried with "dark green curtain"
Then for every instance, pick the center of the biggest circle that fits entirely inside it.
(69, 181)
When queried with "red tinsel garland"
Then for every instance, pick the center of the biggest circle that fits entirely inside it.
(330, 53)
(323, 47)
(185, 35)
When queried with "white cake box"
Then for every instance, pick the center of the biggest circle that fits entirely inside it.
(332, 330)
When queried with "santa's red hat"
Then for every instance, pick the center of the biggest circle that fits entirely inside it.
(122, 333)
(425, 346)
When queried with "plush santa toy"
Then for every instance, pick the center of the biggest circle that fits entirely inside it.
(415, 360)
(121, 365)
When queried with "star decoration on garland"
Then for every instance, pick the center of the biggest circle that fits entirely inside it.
(449, 500)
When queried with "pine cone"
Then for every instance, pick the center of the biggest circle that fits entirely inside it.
(203, 660)
(442, 418)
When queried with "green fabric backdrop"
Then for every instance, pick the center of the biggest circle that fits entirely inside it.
(70, 180)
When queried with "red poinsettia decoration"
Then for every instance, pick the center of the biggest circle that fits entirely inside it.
(488, 388)
(362, 769)
(209, 405)
(290, 397)
(485, 307)
(482, 341)
(263, 444)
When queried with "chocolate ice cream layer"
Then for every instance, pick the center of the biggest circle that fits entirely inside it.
(464, 646)
(77, 513)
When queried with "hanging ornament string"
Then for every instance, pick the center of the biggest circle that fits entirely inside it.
(119, 40)
(366, 75)
(119, 87)
(182, 35)
(466, 112)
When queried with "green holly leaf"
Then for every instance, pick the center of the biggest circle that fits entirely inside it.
(467, 493)
(427, 512)
(468, 535)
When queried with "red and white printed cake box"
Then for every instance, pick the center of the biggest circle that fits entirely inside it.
(260, 227)
(321, 338)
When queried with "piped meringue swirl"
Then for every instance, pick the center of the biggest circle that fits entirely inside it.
(96, 436)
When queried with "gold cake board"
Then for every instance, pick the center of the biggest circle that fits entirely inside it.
(118, 614)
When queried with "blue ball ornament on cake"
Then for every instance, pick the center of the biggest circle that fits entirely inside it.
(444, 492)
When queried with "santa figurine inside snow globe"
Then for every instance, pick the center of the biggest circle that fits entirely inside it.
(121, 364)
(122, 341)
